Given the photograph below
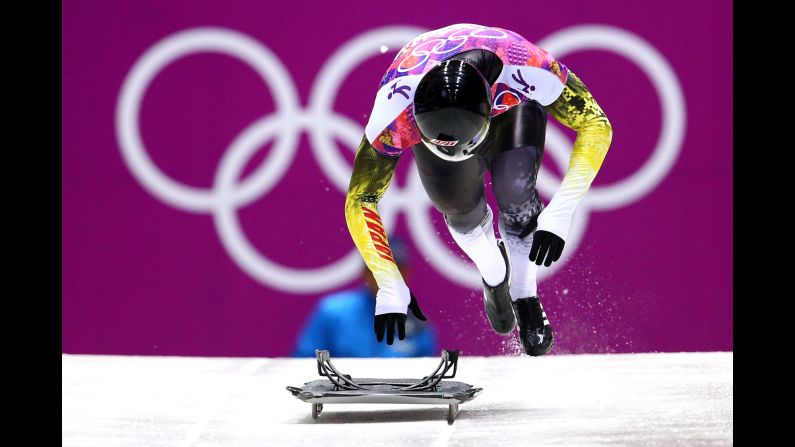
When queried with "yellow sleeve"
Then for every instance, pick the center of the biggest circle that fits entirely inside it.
(577, 109)
(372, 173)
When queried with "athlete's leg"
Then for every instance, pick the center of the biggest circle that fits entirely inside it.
(514, 167)
(456, 189)
(514, 163)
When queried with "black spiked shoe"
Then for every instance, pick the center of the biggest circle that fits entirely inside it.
(535, 332)
(498, 299)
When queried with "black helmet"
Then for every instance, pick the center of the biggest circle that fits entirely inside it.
(452, 108)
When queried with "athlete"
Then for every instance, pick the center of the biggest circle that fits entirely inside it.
(466, 98)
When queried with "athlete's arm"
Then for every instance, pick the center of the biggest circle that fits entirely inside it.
(372, 173)
(577, 109)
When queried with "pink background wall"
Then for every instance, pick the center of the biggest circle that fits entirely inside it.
(142, 275)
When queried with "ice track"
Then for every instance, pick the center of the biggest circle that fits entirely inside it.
(621, 399)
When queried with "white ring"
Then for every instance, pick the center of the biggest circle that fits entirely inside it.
(145, 69)
(668, 89)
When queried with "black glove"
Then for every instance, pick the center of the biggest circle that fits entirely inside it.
(388, 322)
(546, 244)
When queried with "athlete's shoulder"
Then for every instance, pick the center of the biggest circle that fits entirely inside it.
(391, 128)
(529, 73)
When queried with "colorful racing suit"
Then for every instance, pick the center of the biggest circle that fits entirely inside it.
(528, 74)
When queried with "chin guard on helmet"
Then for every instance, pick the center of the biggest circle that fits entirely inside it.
(452, 109)
(456, 150)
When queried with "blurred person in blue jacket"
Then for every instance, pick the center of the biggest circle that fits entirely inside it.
(342, 322)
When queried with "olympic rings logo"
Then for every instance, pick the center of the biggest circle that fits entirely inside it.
(323, 125)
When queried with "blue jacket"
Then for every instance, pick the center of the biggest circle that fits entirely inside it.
(342, 323)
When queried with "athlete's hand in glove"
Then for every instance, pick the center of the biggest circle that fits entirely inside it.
(546, 244)
(387, 322)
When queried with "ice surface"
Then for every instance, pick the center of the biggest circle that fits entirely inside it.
(620, 399)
